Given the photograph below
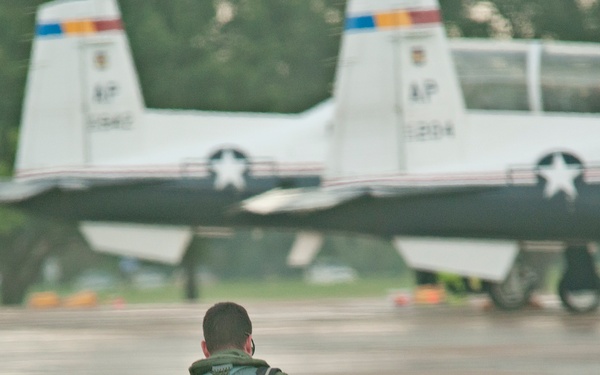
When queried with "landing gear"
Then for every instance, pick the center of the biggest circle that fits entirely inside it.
(515, 291)
(579, 288)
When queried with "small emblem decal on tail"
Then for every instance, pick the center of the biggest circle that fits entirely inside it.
(101, 60)
(419, 58)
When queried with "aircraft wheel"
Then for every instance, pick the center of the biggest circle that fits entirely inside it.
(579, 287)
(515, 291)
(578, 300)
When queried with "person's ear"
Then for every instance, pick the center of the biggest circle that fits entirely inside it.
(248, 345)
(205, 349)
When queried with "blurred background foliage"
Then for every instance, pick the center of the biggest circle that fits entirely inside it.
(241, 55)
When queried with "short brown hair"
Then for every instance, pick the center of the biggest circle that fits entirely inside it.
(226, 325)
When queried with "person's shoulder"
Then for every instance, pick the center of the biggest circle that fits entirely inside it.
(269, 371)
(251, 370)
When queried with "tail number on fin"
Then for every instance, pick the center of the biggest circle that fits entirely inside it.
(105, 95)
(422, 131)
(424, 98)
(110, 121)
(110, 100)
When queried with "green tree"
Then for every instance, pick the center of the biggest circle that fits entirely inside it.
(16, 31)
(265, 56)
(569, 20)
(25, 243)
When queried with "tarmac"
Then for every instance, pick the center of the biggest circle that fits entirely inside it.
(339, 336)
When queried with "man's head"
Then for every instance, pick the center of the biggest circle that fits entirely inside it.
(226, 325)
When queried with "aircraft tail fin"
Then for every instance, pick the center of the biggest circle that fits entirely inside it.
(399, 107)
(83, 103)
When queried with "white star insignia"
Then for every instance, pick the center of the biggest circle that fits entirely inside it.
(560, 176)
(229, 171)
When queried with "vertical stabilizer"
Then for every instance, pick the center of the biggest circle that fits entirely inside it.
(399, 107)
(83, 104)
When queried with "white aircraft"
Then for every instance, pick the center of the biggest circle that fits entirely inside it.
(395, 153)
(85, 130)
(461, 190)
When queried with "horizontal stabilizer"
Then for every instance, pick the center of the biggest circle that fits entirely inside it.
(14, 191)
(20, 190)
(290, 200)
(164, 244)
(486, 259)
(313, 199)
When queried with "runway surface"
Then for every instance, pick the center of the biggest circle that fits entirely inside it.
(359, 336)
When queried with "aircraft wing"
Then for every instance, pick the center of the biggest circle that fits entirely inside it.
(14, 191)
(17, 191)
(315, 199)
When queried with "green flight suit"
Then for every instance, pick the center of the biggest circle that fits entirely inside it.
(231, 362)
